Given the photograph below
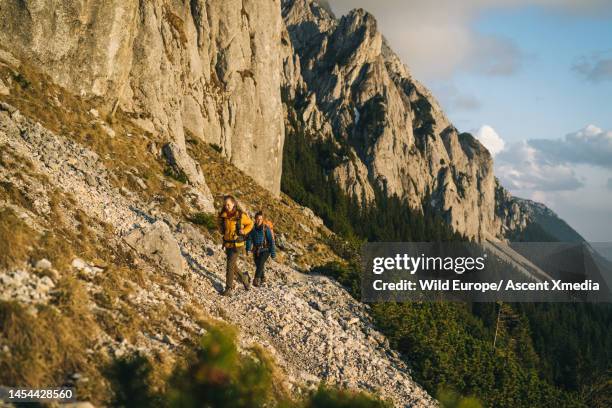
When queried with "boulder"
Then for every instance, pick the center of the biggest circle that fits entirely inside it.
(180, 161)
(79, 264)
(43, 265)
(201, 201)
(156, 243)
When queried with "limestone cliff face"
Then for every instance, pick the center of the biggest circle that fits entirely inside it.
(211, 68)
(400, 141)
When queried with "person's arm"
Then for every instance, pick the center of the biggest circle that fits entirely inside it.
(271, 243)
(247, 224)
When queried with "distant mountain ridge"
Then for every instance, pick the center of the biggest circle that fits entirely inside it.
(543, 216)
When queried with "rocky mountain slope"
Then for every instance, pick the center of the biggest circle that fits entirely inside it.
(359, 93)
(347, 85)
(523, 216)
(96, 227)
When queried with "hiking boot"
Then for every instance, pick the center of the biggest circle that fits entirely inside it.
(256, 282)
(247, 285)
(227, 292)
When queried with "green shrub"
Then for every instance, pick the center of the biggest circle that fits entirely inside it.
(326, 397)
(451, 399)
(21, 80)
(131, 381)
(206, 220)
(177, 175)
(218, 375)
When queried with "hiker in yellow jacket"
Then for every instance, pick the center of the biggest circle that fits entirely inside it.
(234, 225)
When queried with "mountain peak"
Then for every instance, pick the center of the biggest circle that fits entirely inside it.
(399, 139)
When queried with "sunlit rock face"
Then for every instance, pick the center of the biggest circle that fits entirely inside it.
(209, 70)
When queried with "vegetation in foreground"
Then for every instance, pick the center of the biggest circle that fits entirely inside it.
(218, 375)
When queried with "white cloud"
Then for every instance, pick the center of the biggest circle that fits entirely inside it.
(558, 174)
(590, 145)
(525, 167)
(522, 167)
(490, 139)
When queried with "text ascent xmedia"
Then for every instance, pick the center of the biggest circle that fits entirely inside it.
(414, 264)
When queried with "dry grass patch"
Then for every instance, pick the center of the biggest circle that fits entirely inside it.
(197, 313)
(11, 193)
(279, 390)
(118, 317)
(43, 350)
(49, 345)
(15, 239)
(121, 323)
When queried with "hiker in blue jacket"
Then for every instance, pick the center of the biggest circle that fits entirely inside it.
(261, 241)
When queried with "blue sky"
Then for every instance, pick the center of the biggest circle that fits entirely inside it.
(532, 79)
(544, 97)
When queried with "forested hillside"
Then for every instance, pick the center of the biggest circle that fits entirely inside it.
(546, 355)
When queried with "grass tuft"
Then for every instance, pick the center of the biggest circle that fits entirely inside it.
(206, 220)
(15, 239)
(44, 346)
(177, 175)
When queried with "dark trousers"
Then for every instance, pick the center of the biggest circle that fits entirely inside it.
(260, 258)
(233, 254)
